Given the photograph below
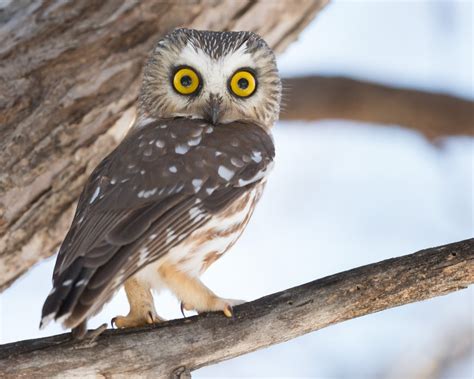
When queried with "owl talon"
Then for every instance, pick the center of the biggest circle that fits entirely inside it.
(149, 318)
(185, 307)
(228, 312)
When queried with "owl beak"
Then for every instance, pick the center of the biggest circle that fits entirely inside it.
(214, 109)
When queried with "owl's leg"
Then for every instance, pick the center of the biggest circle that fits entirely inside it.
(193, 294)
(142, 309)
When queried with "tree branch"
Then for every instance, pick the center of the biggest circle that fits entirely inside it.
(68, 70)
(435, 115)
(188, 344)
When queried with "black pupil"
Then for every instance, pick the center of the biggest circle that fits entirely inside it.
(186, 81)
(243, 83)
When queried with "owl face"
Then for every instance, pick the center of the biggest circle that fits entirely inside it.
(218, 76)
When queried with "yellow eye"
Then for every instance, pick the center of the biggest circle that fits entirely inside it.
(186, 81)
(243, 83)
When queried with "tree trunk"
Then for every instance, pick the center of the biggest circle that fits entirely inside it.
(69, 70)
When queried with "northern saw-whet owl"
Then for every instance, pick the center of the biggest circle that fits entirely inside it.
(180, 188)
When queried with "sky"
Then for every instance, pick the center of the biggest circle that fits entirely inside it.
(343, 194)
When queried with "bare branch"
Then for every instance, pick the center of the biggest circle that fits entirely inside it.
(435, 115)
(180, 346)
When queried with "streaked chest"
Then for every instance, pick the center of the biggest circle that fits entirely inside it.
(208, 243)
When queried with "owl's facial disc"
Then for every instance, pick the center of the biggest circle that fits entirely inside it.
(218, 76)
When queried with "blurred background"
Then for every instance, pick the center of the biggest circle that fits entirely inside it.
(345, 194)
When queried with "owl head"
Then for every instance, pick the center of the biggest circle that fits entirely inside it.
(218, 76)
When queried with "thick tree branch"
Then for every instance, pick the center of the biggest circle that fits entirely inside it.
(206, 339)
(68, 70)
(435, 115)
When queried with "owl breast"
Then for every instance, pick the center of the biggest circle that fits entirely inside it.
(208, 243)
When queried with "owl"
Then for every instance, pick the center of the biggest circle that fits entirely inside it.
(179, 189)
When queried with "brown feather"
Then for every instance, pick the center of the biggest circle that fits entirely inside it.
(154, 183)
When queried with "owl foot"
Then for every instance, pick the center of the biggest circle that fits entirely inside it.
(142, 309)
(215, 304)
(194, 295)
(87, 337)
(136, 320)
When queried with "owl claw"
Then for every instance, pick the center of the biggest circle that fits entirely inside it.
(150, 319)
(228, 311)
(185, 307)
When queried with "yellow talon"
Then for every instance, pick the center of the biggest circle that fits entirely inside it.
(228, 311)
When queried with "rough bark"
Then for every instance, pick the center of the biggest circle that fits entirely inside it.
(68, 71)
(435, 115)
(181, 346)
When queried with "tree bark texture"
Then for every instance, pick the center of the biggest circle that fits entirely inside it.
(181, 346)
(432, 114)
(69, 70)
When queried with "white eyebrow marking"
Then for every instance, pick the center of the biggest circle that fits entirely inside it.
(225, 173)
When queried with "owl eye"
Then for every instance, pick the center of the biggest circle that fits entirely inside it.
(186, 81)
(243, 83)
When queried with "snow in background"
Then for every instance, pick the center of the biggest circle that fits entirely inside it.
(342, 195)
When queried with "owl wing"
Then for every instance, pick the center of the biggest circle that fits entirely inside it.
(165, 180)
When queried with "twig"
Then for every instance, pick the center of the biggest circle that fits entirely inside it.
(179, 346)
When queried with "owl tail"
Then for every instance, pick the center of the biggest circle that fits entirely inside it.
(67, 289)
